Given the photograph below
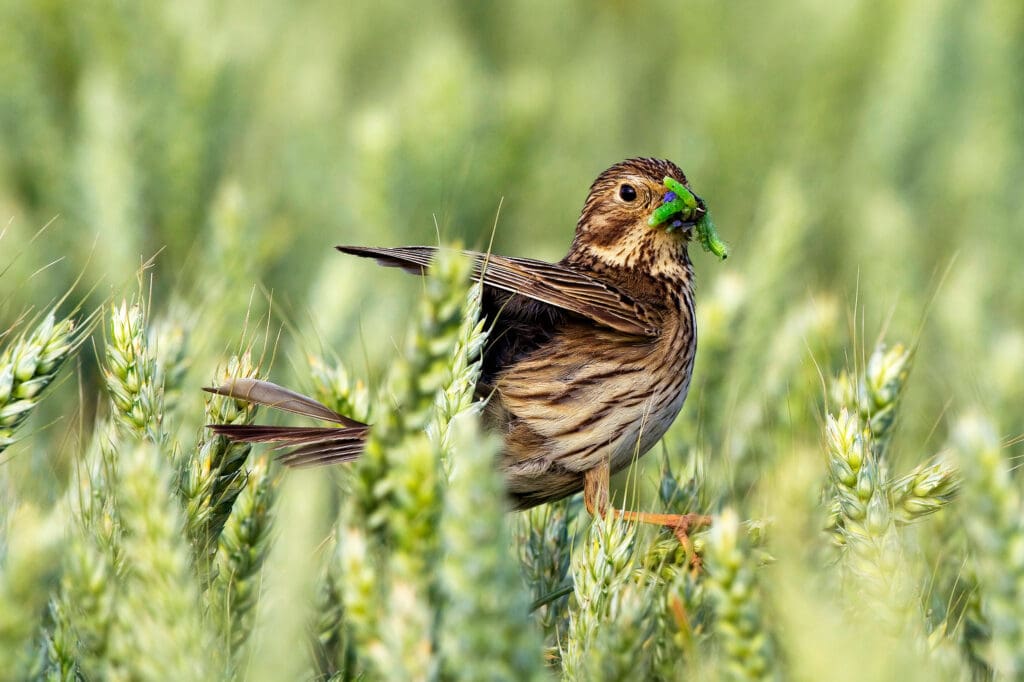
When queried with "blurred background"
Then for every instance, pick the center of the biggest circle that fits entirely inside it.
(863, 158)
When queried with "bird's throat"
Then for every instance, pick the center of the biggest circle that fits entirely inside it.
(650, 252)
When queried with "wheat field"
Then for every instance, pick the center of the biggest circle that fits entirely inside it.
(173, 177)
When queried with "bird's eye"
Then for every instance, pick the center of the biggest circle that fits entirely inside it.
(627, 193)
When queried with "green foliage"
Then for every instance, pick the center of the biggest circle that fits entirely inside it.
(994, 524)
(157, 627)
(31, 552)
(133, 382)
(607, 598)
(867, 176)
(213, 479)
(733, 587)
(485, 632)
(27, 367)
(241, 552)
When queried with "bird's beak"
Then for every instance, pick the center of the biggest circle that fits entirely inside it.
(683, 210)
(679, 222)
(680, 209)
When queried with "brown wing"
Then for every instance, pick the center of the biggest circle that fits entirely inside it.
(551, 283)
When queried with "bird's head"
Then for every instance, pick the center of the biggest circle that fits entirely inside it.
(642, 214)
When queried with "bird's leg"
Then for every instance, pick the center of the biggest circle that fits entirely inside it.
(596, 483)
(595, 497)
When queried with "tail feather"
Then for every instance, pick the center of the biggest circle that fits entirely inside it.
(256, 433)
(312, 449)
(323, 454)
(281, 398)
(312, 446)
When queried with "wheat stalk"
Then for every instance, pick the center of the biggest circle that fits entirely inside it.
(214, 477)
(242, 550)
(388, 542)
(486, 632)
(29, 365)
(747, 650)
(131, 374)
(993, 515)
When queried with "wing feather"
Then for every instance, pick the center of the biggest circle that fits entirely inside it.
(553, 283)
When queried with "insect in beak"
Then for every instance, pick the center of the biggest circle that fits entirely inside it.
(678, 207)
(682, 209)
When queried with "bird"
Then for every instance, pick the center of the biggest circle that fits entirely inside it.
(588, 360)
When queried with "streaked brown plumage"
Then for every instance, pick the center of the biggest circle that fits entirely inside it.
(588, 360)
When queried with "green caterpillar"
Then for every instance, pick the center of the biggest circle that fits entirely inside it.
(680, 200)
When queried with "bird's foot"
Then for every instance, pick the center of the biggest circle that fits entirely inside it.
(682, 533)
(681, 526)
(595, 497)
